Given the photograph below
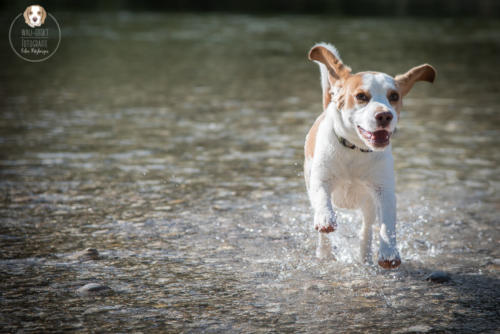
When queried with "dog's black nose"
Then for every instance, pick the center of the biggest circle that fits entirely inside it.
(383, 119)
(34, 19)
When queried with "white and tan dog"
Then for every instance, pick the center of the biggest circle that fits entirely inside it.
(348, 159)
(34, 16)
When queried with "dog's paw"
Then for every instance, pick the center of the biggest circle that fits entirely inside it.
(325, 222)
(390, 261)
(389, 264)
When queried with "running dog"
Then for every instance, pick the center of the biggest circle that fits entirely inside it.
(348, 157)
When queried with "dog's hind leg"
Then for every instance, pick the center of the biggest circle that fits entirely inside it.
(388, 254)
(369, 211)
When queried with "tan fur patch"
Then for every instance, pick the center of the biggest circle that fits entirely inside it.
(406, 81)
(311, 137)
(44, 15)
(337, 71)
(26, 14)
(351, 85)
(398, 105)
(336, 68)
(340, 100)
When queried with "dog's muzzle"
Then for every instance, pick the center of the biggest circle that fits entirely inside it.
(379, 138)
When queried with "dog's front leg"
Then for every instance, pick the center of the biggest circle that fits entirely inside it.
(325, 220)
(388, 253)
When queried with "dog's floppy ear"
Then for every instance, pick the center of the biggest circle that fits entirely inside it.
(406, 81)
(44, 15)
(331, 68)
(26, 18)
(327, 55)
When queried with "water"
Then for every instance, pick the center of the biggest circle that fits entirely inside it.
(173, 145)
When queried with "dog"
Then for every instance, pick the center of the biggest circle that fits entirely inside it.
(34, 16)
(348, 156)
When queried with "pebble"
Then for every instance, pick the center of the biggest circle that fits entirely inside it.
(438, 277)
(265, 274)
(413, 329)
(493, 264)
(99, 309)
(221, 207)
(87, 254)
(94, 289)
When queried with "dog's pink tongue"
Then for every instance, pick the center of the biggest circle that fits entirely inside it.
(380, 135)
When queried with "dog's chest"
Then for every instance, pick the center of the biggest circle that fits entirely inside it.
(349, 194)
(355, 176)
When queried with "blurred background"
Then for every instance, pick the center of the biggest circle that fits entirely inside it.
(167, 138)
(423, 8)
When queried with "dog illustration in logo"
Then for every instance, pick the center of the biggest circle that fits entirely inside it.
(35, 16)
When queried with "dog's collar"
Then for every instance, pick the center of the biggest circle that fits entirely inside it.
(350, 145)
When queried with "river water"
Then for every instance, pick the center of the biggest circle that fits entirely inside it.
(173, 144)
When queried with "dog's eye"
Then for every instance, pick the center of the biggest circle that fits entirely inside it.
(394, 97)
(362, 97)
(38, 13)
(31, 13)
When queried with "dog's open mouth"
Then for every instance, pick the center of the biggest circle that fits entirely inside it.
(379, 138)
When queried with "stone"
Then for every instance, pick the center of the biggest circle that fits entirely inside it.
(94, 289)
(438, 277)
(87, 254)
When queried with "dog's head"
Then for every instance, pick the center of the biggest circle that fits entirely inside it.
(368, 104)
(34, 16)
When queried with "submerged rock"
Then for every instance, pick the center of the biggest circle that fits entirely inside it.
(438, 277)
(94, 289)
(87, 254)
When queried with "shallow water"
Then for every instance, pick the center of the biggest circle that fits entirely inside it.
(173, 145)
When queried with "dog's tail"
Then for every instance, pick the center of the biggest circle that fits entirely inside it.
(325, 82)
